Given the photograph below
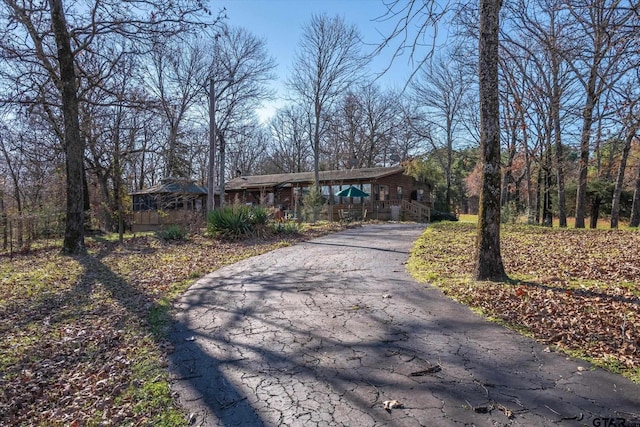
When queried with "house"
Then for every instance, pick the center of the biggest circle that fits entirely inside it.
(172, 201)
(393, 195)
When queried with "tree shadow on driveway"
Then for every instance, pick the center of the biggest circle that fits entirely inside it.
(311, 335)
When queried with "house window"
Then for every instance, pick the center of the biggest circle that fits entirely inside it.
(384, 193)
(399, 192)
(421, 195)
(326, 193)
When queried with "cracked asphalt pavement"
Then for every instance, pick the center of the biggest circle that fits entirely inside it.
(325, 332)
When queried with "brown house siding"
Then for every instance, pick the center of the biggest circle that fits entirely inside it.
(257, 190)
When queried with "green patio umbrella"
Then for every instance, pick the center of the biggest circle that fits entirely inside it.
(352, 192)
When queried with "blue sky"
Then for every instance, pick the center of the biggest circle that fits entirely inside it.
(280, 23)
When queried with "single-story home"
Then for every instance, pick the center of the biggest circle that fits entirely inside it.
(393, 195)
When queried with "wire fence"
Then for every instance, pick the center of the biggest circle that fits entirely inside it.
(19, 233)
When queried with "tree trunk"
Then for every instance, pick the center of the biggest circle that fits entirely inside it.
(316, 146)
(173, 170)
(73, 145)
(635, 207)
(489, 264)
(615, 205)
(538, 193)
(595, 212)
(211, 176)
(316, 155)
(508, 175)
(222, 161)
(3, 221)
(557, 133)
(527, 174)
(547, 212)
(587, 117)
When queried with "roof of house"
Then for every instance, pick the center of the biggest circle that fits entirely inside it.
(257, 181)
(173, 185)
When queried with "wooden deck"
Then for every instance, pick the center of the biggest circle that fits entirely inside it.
(156, 220)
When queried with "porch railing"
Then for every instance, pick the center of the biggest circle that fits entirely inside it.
(416, 210)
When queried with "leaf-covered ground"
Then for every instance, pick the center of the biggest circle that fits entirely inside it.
(81, 338)
(576, 290)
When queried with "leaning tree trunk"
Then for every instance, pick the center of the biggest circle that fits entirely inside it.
(73, 146)
(489, 264)
(615, 205)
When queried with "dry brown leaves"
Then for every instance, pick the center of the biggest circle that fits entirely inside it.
(576, 289)
(76, 344)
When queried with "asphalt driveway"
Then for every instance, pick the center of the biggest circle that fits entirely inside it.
(330, 331)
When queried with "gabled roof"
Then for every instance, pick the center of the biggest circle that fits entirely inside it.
(353, 175)
(173, 185)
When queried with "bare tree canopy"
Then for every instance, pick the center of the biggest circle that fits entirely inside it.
(328, 61)
(56, 42)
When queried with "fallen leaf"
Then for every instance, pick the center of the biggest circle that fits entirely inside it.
(392, 404)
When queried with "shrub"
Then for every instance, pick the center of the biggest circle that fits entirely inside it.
(286, 227)
(230, 221)
(260, 218)
(443, 216)
(172, 232)
(312, 203)
(259, 215)
(509, 213)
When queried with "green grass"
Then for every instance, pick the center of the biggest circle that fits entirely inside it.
(576, 271)
(91, 331)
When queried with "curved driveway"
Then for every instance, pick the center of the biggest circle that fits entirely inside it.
(325, 332)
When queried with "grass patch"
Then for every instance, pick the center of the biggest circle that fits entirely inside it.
(574, 289)
(83, 339)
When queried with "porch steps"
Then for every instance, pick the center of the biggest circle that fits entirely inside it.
(415, 211)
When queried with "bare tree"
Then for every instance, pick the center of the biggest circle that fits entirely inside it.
(248, 152)
(73, 144)
(241, 68)
(382, 114)
(442, 89)
(631, 125)
(289, 150)
(327, 63)
(602, 37)
(176, 73)
(541, 32)
(363, 128)
(55, 46)
(345, 132)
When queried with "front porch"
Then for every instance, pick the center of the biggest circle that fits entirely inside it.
(391, 194)
(385, 210)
